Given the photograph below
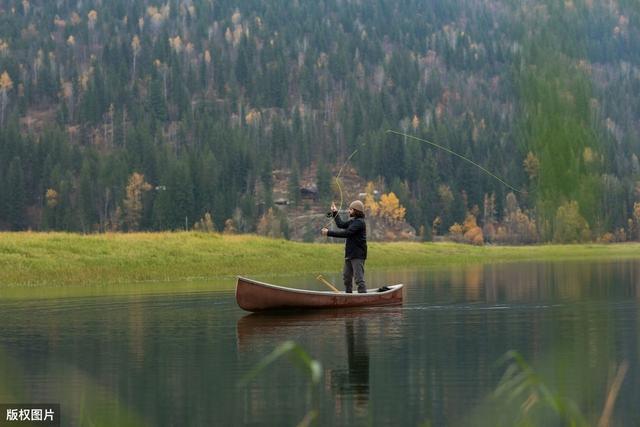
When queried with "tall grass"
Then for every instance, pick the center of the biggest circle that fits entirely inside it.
(60, 259)
(311, 368)
(523, 397)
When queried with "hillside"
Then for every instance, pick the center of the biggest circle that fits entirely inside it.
(308, 214)
(140, 115)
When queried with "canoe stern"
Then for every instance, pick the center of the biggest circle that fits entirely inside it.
(255, 296)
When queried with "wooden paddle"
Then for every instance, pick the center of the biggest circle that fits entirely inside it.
(328, 283)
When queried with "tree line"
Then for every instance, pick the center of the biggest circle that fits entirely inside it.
(138, 115)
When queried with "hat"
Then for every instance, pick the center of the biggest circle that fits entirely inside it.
(357, 205)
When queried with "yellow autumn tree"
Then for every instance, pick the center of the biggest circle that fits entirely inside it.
(176, 44)
(390, 208)
(135, 48)
(468, 232)
(472, 233)
(4, 48)
(93, 17)
(415, 122)
(51, 197)
(636, 220)
(5, 86)
(132, 202)
(370, 204)
(531, 165)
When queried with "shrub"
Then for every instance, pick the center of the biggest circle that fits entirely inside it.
(570, 226)
(469, 232)
(205, 224)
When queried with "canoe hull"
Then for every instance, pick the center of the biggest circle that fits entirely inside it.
(252, 295)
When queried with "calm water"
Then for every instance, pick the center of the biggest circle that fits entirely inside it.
(177, 359)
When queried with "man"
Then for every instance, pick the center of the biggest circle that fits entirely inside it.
(355, 250)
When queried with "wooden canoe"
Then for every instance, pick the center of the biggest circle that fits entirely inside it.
(252, 295)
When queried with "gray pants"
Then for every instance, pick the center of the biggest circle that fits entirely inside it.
(354, 268)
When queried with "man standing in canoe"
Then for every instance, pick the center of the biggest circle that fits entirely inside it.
(355, 250)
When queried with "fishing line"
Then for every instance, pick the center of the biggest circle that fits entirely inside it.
(482, 168)
(458, 155)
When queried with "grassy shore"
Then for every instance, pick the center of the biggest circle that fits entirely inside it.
(61, 259)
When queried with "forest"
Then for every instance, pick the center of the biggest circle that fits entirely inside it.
(126, 115)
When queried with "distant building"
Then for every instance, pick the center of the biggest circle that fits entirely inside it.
(309, 193)
(376, 195)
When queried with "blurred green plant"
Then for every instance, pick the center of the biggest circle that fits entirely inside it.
(570, 227)
(523, 398)
(538, 403)
(311, 367)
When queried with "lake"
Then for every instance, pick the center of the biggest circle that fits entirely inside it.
(149, 357)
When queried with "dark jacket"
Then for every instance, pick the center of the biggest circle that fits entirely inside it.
(355, 231)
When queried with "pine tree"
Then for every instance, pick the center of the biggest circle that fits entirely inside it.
(294, 185)
(323, 183)
(180, 189)
(15, 196)
(243, 65)
(5, 86)
(157, 100)
(132, 203)
(86, 197)
(162, 209)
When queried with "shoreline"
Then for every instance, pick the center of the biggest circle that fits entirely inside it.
(34, 260)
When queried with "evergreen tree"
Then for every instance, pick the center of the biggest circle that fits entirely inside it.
(162, 209)
(86, 202)
(494, 81)
(180, 190)
(294, 185)
(559, 132)
(323, 182)
(156, 100)
(15, 196)
(243, 67)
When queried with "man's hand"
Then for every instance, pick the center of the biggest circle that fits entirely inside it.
(324, 231)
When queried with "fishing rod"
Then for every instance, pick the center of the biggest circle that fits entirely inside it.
(458, 155)
(337, 178)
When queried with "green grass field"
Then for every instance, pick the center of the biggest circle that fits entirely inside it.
(63, 259)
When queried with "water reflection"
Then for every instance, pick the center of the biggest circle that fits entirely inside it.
(340, 339)
(527, 282)
(176, 360)
(354, 380)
